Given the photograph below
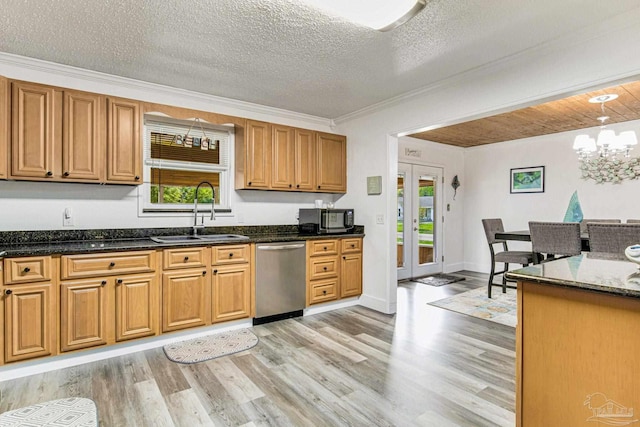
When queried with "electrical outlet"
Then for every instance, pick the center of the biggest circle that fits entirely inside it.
(67, 218)
(380, 219)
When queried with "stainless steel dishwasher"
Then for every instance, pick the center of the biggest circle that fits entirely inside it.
(280, 281)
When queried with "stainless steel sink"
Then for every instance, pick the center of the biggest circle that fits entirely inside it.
(201, 238)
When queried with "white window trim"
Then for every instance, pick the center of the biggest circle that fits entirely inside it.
(223, 209)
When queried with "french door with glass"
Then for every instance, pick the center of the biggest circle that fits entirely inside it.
(419, 223)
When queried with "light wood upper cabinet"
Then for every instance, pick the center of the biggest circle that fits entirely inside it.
(5, 97)
(33, 130)
(304, 164)
(83, 136)
(57, 134)
(331, 163)
(283, 157)
(257, 171)
(124, 123)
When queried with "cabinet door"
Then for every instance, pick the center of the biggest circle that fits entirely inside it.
(184, 299)
(4, 126)
(331, 163)
(136, 306)
(84, 314)
(124, 156)
(351, 275)
(258, 155)
(231, 292)
(32, 130)
(29, 321)
(82, 136)
(283, 156)
(304, 164)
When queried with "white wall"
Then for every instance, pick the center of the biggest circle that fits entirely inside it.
(572, 64)
(487, 195)
(38, 206)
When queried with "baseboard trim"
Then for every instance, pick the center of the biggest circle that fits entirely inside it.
(377, 304)
(329, 306)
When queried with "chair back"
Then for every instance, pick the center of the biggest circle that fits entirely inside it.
(557, 238)
(613, 238)
(584, 222)
(491, 227)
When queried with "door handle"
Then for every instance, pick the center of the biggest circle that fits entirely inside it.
(415, 228)
(280, 248)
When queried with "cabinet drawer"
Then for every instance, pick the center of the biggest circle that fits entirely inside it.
(73, 266)
(323, 247)
(184, 258)
(230, 254)
(351, 245)
(323, 267)
(27, 270)
(323, 290)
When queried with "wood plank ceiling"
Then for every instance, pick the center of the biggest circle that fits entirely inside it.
(562, 115)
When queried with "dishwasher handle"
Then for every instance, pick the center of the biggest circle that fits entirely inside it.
(280, 247)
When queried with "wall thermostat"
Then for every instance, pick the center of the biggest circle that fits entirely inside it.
(374, 185)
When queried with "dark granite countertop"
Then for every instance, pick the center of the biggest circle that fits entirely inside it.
(27, 243)
(611, 274)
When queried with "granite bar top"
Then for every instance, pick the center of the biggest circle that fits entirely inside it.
(607, 273)
(28, 243)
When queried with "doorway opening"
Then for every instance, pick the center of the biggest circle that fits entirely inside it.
(419, 220)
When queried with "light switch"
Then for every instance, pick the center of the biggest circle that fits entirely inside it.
(67, 218)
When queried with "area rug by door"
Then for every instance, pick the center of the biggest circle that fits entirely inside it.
(69, 412)
(501, 308)
(211, 346)
(438, 279)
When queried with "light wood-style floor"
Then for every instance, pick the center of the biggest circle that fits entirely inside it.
(424, 366)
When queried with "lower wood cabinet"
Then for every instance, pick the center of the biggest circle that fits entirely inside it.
(136, 306)
(29, 321)
(185, 296)
(85, 313)
(334, 269)
(231, 296)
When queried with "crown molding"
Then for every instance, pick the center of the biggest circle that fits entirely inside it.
(152, 89)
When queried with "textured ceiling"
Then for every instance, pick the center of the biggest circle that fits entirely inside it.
(282, 53)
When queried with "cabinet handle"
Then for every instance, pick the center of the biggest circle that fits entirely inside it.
(112, 264)
(297, 185)
(137, 178)
(204, 273)
(344, 257)
(8, 292)
(26, 270)
(104, 282)
(318, 187)
(324, 292)
(66, 174)
(325, 248)
(49, 173)
(290, 185)
(215, 271)
(186, 259)
(353, 245)
(249, 183)
(325, 268)
(119, 282)
(230, 254)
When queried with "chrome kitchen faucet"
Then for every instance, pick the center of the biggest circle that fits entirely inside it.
(195, 207)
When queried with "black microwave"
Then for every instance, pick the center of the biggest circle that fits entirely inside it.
(325, 221)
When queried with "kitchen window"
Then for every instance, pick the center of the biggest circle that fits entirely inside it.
(178, 155)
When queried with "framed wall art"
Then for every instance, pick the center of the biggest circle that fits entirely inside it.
(527, 180)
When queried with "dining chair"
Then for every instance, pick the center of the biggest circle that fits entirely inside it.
(524, 258)
(584, 222)
(554, 239)
(613, 238)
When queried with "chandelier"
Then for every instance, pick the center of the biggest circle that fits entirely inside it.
(607, 158)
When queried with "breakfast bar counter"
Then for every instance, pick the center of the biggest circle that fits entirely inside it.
(577, 346)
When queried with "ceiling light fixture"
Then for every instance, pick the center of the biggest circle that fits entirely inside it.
(382, 15)
(607, 157)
